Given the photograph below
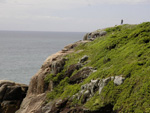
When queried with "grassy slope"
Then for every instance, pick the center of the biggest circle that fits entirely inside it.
(125, 50)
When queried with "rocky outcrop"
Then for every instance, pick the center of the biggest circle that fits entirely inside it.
(81, 75)
(91, 36)
(57, 65)
(37, 88)
(83, 59)
(118, 80)
(72, 68)
(11, 96)
(63, 106)
(88, 90)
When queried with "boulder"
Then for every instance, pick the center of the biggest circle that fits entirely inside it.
(88, 90)
(102, 33)
(98, 34)
(118, 80)
(91, 36)
(79, 76)
(72, 68)
(103, 83)
(61, 103)
(84, 58)
(57, 65)
(88, 36)
(47, 108)
(85, 36)
(11, 96)
(86, 95)
(94, 87)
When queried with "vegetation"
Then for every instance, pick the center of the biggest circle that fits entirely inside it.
(125, 50)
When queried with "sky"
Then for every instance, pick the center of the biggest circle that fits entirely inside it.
(70, 15)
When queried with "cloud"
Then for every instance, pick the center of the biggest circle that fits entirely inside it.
(66, 4)
(63, 14)
(2, 1)
(124, 1)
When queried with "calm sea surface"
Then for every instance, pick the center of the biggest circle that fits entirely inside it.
(23, 53)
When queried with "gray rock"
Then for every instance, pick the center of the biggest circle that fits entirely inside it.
(98, 34)
(88, 90)
(101, 86)
(118, 80)
(81, 75)
(2, 82)
(80, 94)
(102, 33)
(86, 36)
(57, 65)
(3, 89)
(103, 83)
(106, 80)
(84, 87)
(94, 86)
(86, 95)
(91, 36)
(11, 96)
(112, 78)
(72, 68)
(47, 108)
(84, 58)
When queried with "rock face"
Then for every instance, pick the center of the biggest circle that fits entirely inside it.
(88, 90)
(37, 88)
(62, 106)
(72, 68)
(11, 96)
(79, 76)
(84, 58)
(91, 36)
(118, 80)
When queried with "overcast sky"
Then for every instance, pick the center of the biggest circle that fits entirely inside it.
(70, 15)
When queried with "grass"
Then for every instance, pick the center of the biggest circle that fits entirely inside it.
(125, 50)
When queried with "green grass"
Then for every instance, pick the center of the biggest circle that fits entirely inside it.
(125, 50)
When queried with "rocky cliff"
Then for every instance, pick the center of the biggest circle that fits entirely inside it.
(107, 72)
(11, 96)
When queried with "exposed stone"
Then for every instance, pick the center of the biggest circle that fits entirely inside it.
(118, 80)
(79, 76)
(85, 36)
(57, 65)
(103, 83)
(88, 90)
(72, 68)
(61, 103)
(47, 108)
(94, 86)
(11, 96)
(32, 104)
(3, 89)
(84, 58)
(91, 36)
(98, 34)
(86, 95)
(102, 33)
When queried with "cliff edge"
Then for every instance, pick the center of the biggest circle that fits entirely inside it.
(106, 72)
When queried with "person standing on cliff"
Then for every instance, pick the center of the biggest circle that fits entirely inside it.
(121, 21)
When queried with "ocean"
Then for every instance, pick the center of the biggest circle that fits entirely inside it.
(22, 53)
